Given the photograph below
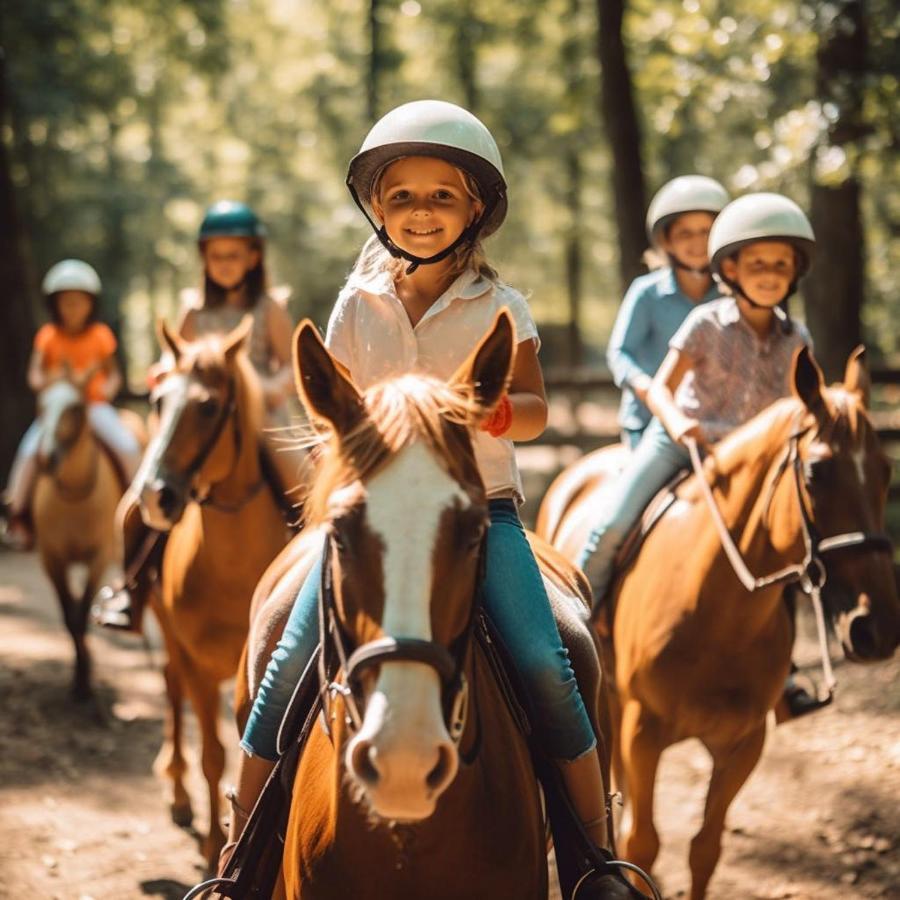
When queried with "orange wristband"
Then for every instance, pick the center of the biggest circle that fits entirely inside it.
(499, 421)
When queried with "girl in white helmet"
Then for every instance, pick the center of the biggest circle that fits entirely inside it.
(73, 342)
(678, 223)
(429, 179)
(729, 360)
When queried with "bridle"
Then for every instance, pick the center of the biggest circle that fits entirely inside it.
(810, 574)
(341, 665)
(185, 480)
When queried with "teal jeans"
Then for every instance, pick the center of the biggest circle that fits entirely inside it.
(518, 606)
(652, 463)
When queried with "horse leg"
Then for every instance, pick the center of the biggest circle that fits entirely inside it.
(641, 746)
(170, 759)
(732, 766)
(75, 625)
(204, 696)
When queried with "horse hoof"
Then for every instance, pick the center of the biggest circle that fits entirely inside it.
(182, 814)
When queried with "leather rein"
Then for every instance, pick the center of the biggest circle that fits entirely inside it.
(810, 574)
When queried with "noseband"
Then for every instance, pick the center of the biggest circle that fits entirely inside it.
(341, 666)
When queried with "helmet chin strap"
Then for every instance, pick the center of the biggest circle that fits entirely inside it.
(778, 309)
(676, 263)
(468, 236)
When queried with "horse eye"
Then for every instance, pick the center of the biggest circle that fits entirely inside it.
(208, 408)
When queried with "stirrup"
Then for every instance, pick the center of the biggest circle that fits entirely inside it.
(114, 608)
(611, 876)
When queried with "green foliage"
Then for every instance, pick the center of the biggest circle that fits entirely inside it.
(128, 117)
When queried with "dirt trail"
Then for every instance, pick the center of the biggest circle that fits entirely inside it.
(82, 816)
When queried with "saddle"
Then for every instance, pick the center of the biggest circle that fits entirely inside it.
(634, 540)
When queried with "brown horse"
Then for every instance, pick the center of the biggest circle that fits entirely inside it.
(696, 654)
(73, 507)
(201, 480)
(421, 785)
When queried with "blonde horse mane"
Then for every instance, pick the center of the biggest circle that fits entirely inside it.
(400, 412)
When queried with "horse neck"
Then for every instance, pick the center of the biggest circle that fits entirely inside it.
(78, 467)
(759, 504)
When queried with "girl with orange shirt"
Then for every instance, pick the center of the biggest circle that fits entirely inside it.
(73, 343)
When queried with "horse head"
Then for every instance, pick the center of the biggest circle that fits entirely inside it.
(62, 406)
(199, 438)
(405, 514)
(843, 480)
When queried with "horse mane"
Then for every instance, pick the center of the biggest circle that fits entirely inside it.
(845, 425)
(400, 412)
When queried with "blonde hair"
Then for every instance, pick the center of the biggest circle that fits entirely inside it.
(374, 258)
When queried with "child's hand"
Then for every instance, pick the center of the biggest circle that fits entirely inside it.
(499, 421)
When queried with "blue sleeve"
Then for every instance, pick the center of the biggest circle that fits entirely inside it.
(632, 329)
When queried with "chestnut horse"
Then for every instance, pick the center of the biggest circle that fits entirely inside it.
(201, 480)
(416, 781)
(73, 506)
(697, 654)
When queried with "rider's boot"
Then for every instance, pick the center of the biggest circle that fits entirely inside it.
(586, 792)
(120, 605)
(796, 700)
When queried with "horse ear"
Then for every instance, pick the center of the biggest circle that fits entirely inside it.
(168, 338)
(235, 339)
(856, 375)
(489, 367)
(325, 391)
(808, 381)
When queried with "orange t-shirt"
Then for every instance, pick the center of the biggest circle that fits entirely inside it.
(90, 347)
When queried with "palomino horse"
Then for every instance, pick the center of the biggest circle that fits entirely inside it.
(416, 781)
(74, 505)
(201, 480)
(699, 655)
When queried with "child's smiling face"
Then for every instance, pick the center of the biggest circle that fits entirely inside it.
(424, 204)
(74, 308)
(764, 270)
(687, 239)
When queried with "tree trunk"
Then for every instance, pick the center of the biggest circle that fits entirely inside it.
(834, 290)
(16, 322)
(375, 62)
(620, 120)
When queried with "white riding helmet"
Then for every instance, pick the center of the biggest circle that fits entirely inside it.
(71, 275)
(687, 193)
(760, 217)
(439, 129)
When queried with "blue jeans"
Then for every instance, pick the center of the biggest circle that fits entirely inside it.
(517, 604)
(655, 460)
(631, 437)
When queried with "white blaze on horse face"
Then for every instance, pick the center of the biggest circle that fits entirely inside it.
(172, 396)
(409, 757)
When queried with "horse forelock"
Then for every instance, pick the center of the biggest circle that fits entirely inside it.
(848, 422)
(400, 412)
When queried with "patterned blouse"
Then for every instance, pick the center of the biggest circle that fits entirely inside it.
(735, 374)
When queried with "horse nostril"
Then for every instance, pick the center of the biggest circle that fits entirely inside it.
(362, 763)
(443, 768)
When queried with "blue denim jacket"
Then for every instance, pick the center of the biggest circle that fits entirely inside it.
(652, 311)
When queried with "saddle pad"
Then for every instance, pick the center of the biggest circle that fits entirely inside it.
(655, 510)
